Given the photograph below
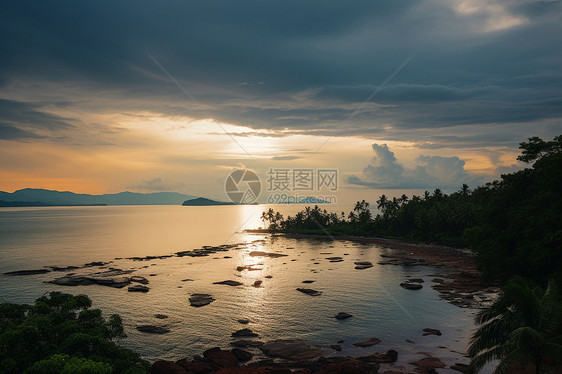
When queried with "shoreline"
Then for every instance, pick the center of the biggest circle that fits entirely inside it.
(461, 282)
(463, 288)
(456, 287)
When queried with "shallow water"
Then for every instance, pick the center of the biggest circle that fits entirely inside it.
(35, 237)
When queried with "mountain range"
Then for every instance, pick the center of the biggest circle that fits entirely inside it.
(52, 197)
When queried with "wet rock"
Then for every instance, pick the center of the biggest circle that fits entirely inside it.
(428, 363)
(309, 291)
(382, 358)
(197, 367)
(411, 286)
(225, 359)
(63, 268)
(200, 299)
(359, 265)
(244, 333)
(266, 254)
(242, 355)
(160, 316)
(343, 315)
(248, 267)
(109, 278)
(95, 263)
(167, 367)
(243, 343)
(416, 280)
(344, 365)
(367, 343)
(431, 332)
(291, 350)
(138, 288)
(28, 272)
(151, 329)
(229, 283)
(138, 279)
(463, 368)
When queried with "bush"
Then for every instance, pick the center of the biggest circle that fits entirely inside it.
(60, 334)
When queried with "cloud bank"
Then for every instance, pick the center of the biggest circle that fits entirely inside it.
(384, 171)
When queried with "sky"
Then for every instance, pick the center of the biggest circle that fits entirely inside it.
(102, 97)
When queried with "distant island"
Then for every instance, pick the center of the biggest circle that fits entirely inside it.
(42, 197)
(201, 201)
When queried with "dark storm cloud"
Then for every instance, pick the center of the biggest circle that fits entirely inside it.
(19, 120)
(303, 67)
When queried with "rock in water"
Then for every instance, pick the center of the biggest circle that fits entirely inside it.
(309, 291)
(244, 333)
(138, 279)
(151, 329)
(367, 343)
(225, 359)
(431, 332)
(266, 254)
(381, 358)
(343, 315)
(242, 355)
(246, 343)
(27, 272)
(428, 363)
(138, 288)
(359, 265)
(200, 299)
(229, 283)
(291, 350)
(411, 286)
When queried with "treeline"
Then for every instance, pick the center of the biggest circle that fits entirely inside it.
(514, 224)
(61, 334)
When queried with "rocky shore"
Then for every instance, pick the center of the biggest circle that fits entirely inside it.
(294, 356)
(457, 280)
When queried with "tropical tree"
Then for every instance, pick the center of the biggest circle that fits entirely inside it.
(523, 326)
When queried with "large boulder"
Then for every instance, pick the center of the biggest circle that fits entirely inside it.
(291, 350)
(224, 359)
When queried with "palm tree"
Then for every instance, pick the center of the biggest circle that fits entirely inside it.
(522, 327)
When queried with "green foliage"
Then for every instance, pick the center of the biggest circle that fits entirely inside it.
(524, 326)
(514, 225)
(64, 364)
(61, 331)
